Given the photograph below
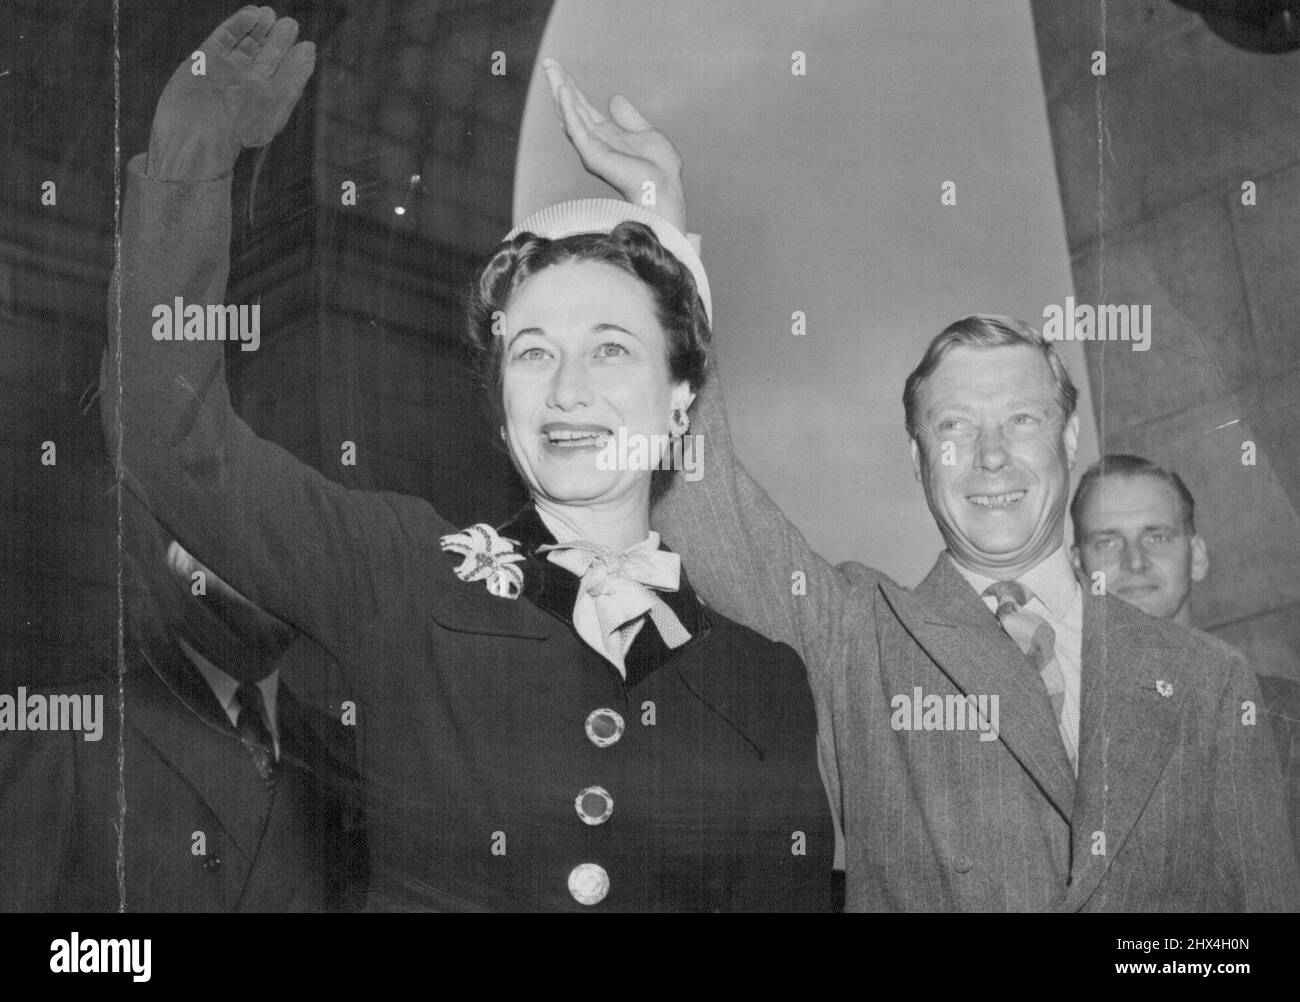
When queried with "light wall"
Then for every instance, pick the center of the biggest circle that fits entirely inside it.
(1189, 120)
(821, 193)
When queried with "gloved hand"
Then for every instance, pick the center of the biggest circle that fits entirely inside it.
(254, 75)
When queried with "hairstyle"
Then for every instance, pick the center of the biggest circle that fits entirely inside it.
(1122, 465)
(987, 331)
(632, 248)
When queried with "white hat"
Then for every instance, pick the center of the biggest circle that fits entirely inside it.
(601, 215)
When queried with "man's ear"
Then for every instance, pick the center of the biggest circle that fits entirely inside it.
(1071, 434)
(916, 458)
(1200, 559)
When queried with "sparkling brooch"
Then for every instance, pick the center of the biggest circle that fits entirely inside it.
(488, 557)
(1165, 689)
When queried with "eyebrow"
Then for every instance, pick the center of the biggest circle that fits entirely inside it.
(597, 329)
(1171, 527)
(1015, 406)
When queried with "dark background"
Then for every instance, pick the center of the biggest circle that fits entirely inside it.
(366, 305)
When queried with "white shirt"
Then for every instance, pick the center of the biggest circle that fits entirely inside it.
(223, 687)
(1059, 600)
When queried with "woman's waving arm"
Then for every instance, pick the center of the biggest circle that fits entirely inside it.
(300, 546)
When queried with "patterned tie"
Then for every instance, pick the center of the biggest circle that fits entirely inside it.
(253, 731)
(1035, 636)
(615, 596)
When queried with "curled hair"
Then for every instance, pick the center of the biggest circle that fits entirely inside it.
(632, 248)
(987, 331)
(1124, 465)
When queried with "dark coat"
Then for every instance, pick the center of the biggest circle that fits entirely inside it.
(472, 709)
(295, 845)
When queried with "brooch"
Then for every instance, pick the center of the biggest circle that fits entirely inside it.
(1165, 689)
(488, 557)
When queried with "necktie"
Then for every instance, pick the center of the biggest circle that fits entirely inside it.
(1035, 636)
(615, 594)
(253, 731)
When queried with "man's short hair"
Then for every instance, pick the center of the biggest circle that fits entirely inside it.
(983, 330)
(1124, 465)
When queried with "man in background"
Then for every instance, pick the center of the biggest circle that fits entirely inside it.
(235, 795)
(1135, 524)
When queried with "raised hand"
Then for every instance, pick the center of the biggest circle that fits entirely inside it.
(622, 149)
(253, 75)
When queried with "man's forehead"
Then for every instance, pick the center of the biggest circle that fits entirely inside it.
(972, 374)
(1132, 496)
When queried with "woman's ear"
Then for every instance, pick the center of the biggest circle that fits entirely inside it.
(682, 397)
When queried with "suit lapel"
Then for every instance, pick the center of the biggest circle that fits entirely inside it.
(959, 633)
(1128, 727)
(277, 879)
(171, 707)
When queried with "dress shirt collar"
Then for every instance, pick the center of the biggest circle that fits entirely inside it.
(1051, 580)
(223, 687)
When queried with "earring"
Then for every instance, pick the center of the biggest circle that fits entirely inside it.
(681, 422)
(502, 429)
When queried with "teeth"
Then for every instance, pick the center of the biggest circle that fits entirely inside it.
(996, 500)
(578, 437)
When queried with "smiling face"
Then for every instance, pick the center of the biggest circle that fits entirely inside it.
(585, 355)
(994, 451)
(1133, 530)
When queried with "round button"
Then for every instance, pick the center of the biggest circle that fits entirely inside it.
(588, 883)
(604, 727)
(594, 805)
(962, 864)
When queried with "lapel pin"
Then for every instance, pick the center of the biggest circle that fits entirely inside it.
(488, 557)
(1164, 688)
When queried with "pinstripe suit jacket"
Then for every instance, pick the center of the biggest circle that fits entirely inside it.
(1178, 805)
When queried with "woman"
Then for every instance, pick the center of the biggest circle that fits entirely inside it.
(547, 716)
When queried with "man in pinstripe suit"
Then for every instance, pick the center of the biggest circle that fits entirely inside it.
(1122, 776)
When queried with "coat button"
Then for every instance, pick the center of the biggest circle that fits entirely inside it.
(962, 864)
(588, 883)
(594, 805)
(212, 863)
(604, 727)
